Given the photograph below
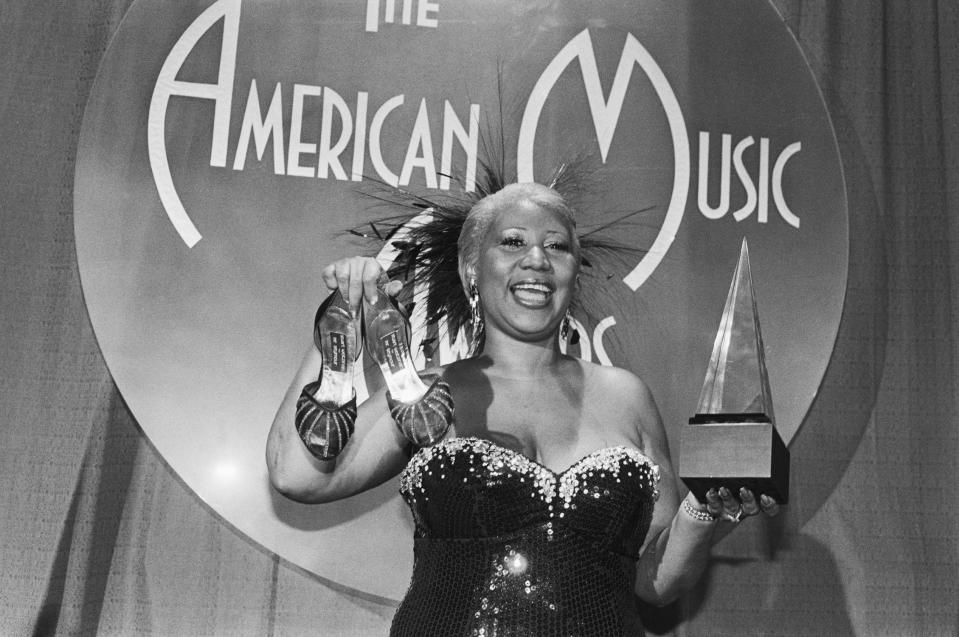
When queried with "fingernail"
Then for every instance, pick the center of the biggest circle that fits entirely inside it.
(711, 493)
(743, 492)
(766, 500)
(724, 492)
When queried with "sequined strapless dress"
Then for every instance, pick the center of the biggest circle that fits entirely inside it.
(505, 546)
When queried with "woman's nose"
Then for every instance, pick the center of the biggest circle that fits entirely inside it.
(536, 258)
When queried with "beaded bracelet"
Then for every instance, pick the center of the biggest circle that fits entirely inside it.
(696, 514)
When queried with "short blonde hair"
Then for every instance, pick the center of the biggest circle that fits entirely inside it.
(481, 216)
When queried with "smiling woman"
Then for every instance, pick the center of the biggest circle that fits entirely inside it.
(550, 500)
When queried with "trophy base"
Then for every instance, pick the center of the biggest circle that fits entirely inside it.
(733, 455)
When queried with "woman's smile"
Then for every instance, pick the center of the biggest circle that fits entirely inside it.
(533, 294)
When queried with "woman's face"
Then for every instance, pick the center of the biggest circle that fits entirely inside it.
(526, 272)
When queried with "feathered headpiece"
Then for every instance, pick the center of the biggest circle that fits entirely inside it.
(424, 228)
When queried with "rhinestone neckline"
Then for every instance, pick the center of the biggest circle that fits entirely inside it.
(548, 482)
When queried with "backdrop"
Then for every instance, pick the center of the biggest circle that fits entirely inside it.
(98, 535)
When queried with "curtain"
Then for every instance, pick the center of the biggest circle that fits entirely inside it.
(99, 536)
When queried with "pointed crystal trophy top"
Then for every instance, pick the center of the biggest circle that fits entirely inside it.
(737, 384)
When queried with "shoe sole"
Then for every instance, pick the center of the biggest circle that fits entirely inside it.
(336, 333)
(387, 338)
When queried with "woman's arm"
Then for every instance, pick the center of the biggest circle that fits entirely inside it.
(678, 544)
(377, 450)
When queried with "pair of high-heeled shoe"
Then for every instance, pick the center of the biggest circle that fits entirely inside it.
(326, 409)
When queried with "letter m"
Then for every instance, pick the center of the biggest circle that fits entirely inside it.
(605, 113)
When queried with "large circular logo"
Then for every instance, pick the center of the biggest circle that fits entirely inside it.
(218, 168)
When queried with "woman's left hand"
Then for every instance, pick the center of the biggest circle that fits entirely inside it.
(721, 504)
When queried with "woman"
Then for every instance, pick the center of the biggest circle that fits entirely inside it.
(551, 500)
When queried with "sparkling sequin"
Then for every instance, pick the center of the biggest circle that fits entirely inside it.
(502, 459)
(505, 546)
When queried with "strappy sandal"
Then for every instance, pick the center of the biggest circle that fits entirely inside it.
(326, 408)
(423, 413)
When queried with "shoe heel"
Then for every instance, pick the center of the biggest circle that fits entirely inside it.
(335, 335)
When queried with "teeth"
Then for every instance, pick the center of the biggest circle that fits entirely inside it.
(535, 287)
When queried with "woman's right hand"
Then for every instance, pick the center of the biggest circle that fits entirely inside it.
(357, 278)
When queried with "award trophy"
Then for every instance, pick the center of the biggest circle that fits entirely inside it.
(732, 440)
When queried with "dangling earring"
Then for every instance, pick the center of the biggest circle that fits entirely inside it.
(476, 318)
(566, 330)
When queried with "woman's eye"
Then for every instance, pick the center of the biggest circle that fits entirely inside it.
(558, 246)
(512, 242)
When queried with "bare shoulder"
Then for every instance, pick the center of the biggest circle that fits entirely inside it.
(621, 385)
(625, 399)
